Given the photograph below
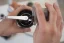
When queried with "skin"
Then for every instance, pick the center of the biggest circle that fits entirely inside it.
(51, 31)
(9, 27)
(46, 32)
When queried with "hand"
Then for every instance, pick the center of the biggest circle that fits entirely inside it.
(15, 5)
(9, 27)
(51, 31)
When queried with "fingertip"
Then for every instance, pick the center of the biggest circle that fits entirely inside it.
(56, 4)
(14, 4)
(36, 4)
(47, 4)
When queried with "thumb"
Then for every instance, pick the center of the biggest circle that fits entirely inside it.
(15, 5)
(15, 12)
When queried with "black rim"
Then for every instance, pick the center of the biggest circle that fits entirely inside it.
(25, 23)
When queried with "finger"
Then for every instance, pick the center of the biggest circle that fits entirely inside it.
(52, 13)
(61, 27)
(19, 29)
(22, 30)
(15, 12)
(15, 5)
(56, 7)
(40, 14)
(59, 16)
(14, 31)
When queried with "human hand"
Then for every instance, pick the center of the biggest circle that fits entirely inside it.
(9, 27)
(48, 31)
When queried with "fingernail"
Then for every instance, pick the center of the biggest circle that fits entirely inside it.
(48, 4)
(36, 4)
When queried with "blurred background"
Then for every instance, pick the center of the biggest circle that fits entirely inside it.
(26, 38)
(60, 2)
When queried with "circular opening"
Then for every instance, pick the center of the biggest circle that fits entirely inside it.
(26, 23)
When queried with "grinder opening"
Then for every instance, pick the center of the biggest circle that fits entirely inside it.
(25, 23)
